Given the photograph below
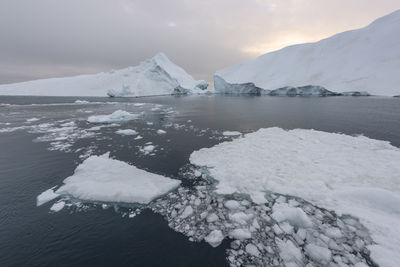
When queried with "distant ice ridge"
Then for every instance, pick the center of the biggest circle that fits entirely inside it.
(358, 62)
(100, 178)
(350, 175)
(155, 76)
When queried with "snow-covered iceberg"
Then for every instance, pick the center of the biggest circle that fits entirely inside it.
(348, 63)
(350, 175)
(100, 178)
(155, 76)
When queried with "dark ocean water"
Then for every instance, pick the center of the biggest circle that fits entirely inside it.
(33, 236)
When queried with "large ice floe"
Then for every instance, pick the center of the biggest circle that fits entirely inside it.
(102, 179)
(358, 62)
(352, 175)
(154, 76)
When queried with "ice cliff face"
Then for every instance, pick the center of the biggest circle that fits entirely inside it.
(155, 76)
(358, 62)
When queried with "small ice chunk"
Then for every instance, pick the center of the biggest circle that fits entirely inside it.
(212, 218)
(127, 132)
(288, 251)
(295, 216)
(149, 148)
(232, 204)
(32, 119)
(46, 196)
(319, 254)
(161, 132)
(231, 133)
(57, 206)
(138, 137)
(240, 234)
(187, 212)
(116, 116)
(241, 217)
(252, 250)
(333, 232)
(214, 238)
(81, 102)
(197, 173)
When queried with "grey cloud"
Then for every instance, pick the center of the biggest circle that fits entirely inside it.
(48, 38)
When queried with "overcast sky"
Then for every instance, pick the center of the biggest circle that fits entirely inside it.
(52, 38)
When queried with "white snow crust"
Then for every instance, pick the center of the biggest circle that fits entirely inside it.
(351, 175)
(100, 178)
(366, 59)
(155, 76)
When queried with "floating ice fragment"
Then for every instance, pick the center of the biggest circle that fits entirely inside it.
(214, 238)
(100, 178)
(295, 216)
(187, 212)
(127, 132)
(232, 204)
(240, 234)
(32, 119)
(46, 196)
(160, 132)
(81, 102)
(116, 116)
(231, 133)
(319, 254)
(57, 206)
(252, 250)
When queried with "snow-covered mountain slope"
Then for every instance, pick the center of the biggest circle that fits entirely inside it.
(363, 60)
(155, 76)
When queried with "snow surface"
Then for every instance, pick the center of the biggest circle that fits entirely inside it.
(100, 178)
(116, 116)
(155, 76)
(363, 60)
(351, 175)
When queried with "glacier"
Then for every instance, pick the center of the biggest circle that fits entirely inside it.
(154, 76)
(356, 63)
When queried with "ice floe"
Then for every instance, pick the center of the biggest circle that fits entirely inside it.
(116, 116)
(126, 132)
(100, 178)
(352, 175)
(46, 196)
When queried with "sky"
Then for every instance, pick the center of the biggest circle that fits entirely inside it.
(57, 38)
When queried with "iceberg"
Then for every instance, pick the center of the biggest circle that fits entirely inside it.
(154, 76)
(352, 175)
(353, 63)
(102, 179)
